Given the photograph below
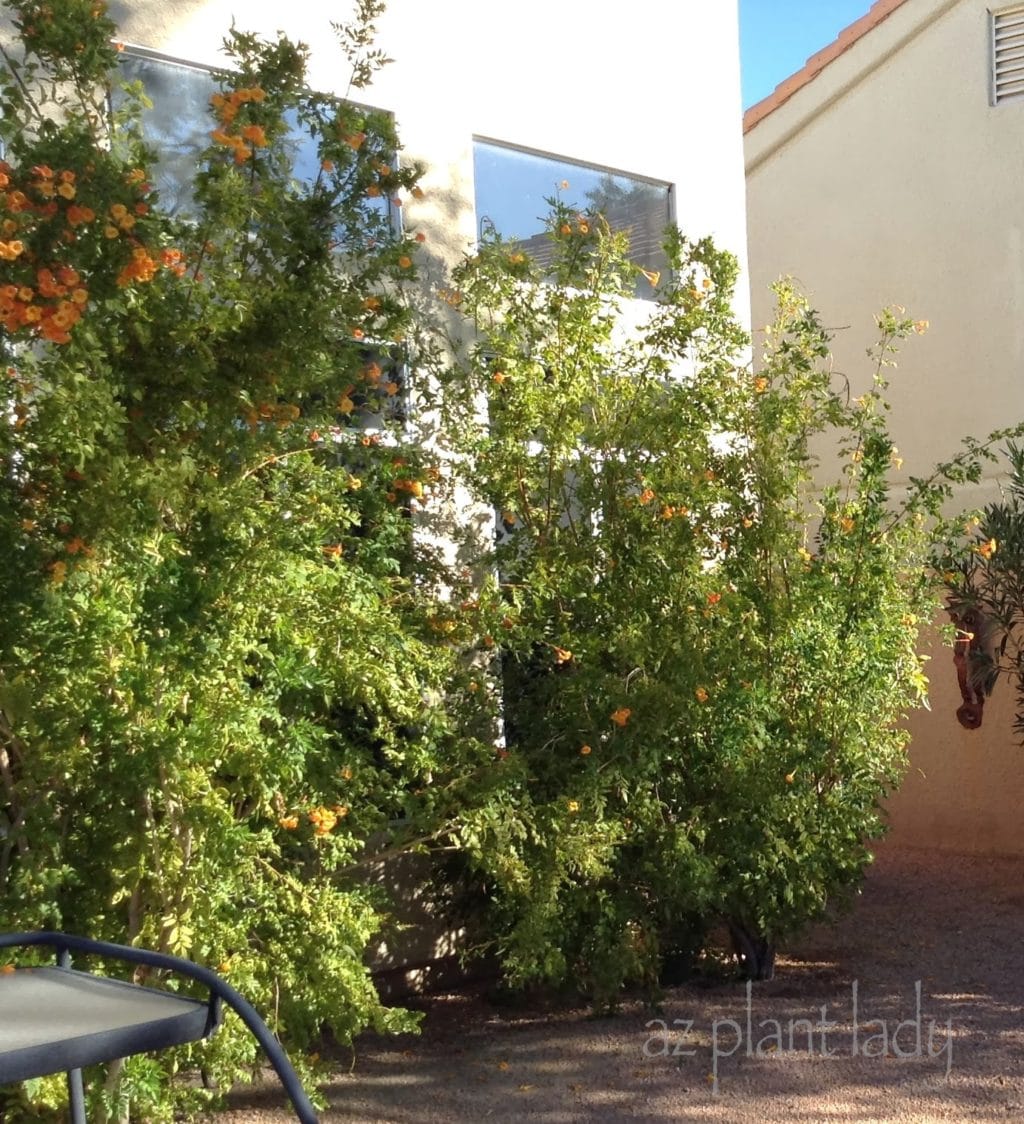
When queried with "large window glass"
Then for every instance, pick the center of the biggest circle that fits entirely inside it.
(514, 184)
(179, 122)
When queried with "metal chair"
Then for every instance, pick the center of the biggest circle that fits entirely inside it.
(55, 1020)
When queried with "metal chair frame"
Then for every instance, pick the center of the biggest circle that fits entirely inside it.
(220, 992)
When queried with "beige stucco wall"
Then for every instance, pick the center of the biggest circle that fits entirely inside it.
(657, 95)
(890, 179)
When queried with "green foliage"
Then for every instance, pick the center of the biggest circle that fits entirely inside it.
(704, 655)
(232, 678)
(986, 591)
(219, 683)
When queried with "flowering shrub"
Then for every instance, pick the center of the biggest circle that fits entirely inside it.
(218, 672)
(231, 678)
(703, 654)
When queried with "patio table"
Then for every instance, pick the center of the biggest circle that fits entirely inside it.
(57, 1019)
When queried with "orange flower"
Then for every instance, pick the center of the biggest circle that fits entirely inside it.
(323, 820)
(760, 384)
(701, 694)
(405, 261)
(585, 751)
(562, 655)
(621, 716)
(373, 191)
(66, 190)
(987, 549)
(327, 165)
(846, 524)
(289, 823)
(646, 495)
(421, 237)
(572, 805)
(417, 193)
(255, 135)
(714, 598)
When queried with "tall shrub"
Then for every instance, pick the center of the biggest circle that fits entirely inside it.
(704, 653)
(220, 672)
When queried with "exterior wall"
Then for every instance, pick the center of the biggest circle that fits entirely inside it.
(551, 77)
(890, 179)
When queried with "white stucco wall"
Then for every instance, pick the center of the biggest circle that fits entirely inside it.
(656, 95)
(890, 179)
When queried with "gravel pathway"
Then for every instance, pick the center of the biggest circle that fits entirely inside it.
(930, 955)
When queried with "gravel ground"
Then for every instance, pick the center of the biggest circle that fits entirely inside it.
(948, 927)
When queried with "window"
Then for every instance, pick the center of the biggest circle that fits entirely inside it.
(179, 123)
(513, 184)
(177, 126)
(1008, 54)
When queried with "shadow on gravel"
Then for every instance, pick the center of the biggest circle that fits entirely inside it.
(909, 1008)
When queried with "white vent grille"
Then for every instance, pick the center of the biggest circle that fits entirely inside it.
(1008, 54)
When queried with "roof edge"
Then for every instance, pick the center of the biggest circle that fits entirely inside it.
(846, 38)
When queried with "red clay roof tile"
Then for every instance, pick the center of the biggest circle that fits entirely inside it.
(818, 61)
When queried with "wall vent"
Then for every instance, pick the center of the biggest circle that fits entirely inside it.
(1008, 54)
